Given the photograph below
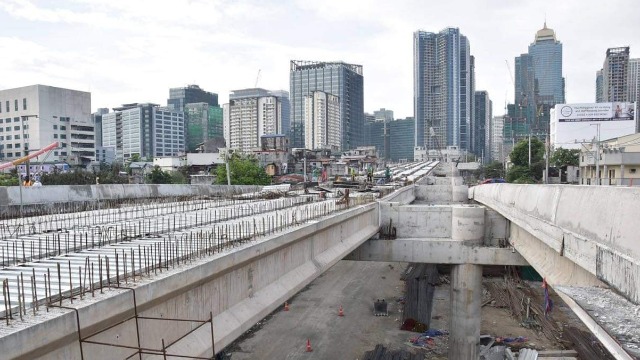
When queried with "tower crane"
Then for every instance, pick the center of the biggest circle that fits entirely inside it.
(257, 78)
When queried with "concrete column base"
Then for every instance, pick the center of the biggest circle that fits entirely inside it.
(464, 323)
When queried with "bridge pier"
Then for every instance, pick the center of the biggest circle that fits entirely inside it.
(466, 296)
(466, 286)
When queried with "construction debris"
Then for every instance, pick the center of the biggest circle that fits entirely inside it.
(526, 304)
(382, 353)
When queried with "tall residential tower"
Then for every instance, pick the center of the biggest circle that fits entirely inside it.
(338, 79)
(443, 89)
(252, 113)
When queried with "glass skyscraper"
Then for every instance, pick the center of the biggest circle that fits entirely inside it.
(539, 85)
(443, 89)
(336, 78)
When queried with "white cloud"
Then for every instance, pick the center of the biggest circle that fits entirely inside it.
(125, 51)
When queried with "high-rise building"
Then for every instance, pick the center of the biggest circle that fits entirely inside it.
(482, 119)
(322, 121)
(146, 130)
(198, 128)
(96, 118)
(496, 141)
(383, 115)
(615, 72)
(539, 84)
(191, 94)
(634, 81)
(401, 136)
(250, 114)
(203, 122)
(35, 116)
(336, 78)
(599, 93)
(443, 89)
(375, 132)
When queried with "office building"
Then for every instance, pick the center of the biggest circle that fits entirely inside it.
(336, 78)
(322, 121)
(401, 135)
(443, 89)
(202, 122)
(482, 124)
(146, 130)
(538, 86)
(250, 114)
(376, 135)
(383, 115)
(191, 94)
(615, 72)
(393, 140)
(35, 116)
(96, 118)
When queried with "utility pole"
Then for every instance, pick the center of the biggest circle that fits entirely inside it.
(597, 161)
(547, 150)
(529, 148)
(227, 158)
(304, 162)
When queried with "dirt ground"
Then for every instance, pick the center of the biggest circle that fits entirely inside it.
(356, 285)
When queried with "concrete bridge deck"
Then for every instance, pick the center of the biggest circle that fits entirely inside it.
(582, 239)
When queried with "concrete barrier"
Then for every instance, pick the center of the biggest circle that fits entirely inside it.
(596, 227)
(34, 198)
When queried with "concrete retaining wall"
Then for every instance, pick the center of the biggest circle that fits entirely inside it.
(239, 288)
(596, 227)
(52, 195)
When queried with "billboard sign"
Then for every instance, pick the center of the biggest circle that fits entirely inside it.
(615, 111)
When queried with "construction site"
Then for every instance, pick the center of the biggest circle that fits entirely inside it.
(102, 265)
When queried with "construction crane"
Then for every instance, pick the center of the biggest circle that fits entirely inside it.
(257, 78)
(23, 159)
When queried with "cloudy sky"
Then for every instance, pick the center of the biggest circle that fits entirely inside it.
(135, 50)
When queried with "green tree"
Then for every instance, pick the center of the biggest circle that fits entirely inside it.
(74, 177)
(245, 170)
(521, 171)
(520, 154)
(564, 157)
(492, 170)
(157, 176)
(10, 179)
(110, 174)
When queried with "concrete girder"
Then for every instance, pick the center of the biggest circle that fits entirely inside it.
(435, 251)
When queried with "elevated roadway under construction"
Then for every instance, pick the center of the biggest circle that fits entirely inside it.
(225, 263)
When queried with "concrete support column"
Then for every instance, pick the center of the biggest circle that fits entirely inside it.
(464, 321)
(467, 225)
(621, 182)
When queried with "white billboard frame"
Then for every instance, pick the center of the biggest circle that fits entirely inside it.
(613, 111)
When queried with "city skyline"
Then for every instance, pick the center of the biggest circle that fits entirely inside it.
(122, 51)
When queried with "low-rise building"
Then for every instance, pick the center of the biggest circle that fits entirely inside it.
(611, 162)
